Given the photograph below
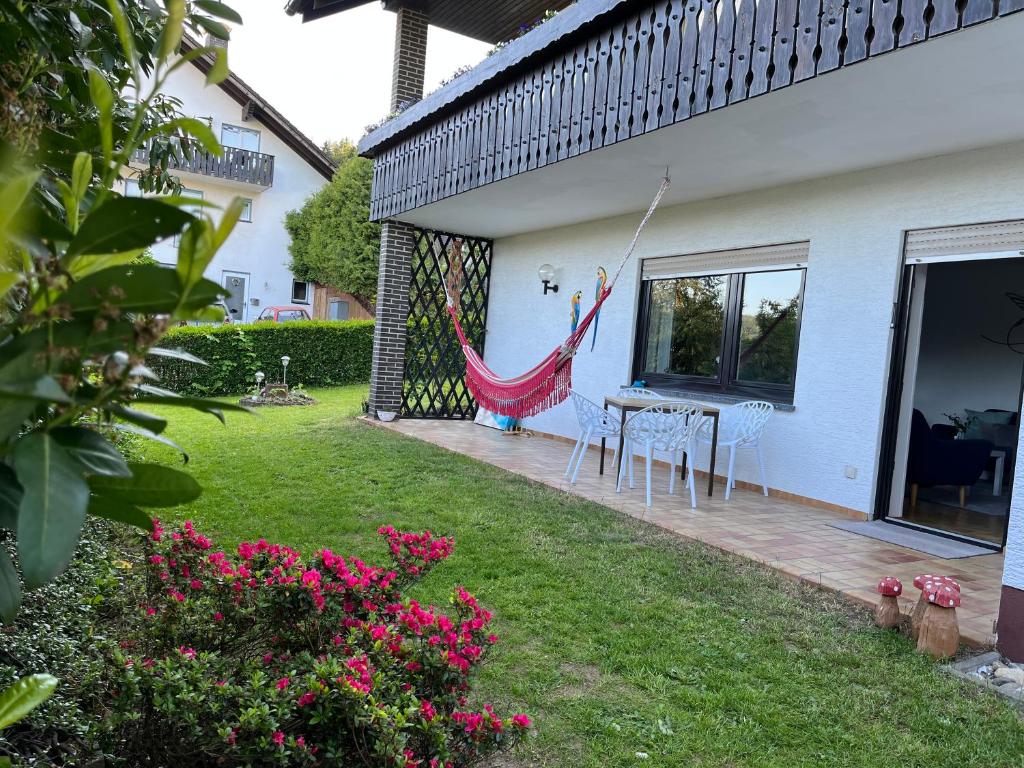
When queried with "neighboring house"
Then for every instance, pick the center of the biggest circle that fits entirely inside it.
(268, 162)
(844, 234)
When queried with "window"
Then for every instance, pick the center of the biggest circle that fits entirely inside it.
(246, 210)
(338, 309)
(240, 138)
(728, 333)
(131, 188)
(300, 292)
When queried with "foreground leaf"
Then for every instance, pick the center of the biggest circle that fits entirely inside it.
(93, 451)
(150, 435)
(24, 696)
(10, 588)
(10, 498)
(111, 509)
(151, 485)
(126, 224)
(52, 510)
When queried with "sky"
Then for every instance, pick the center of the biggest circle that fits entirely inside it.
(332, 77)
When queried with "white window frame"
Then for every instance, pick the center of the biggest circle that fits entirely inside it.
(246, 210)
(309, 290)
(241, 130)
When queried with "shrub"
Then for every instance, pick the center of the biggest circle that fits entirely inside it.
(261, 659)
(322, 352)
(61, 629)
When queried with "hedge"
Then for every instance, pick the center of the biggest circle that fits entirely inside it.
(322, 352)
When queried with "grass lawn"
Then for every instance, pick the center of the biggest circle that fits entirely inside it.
(618, 639)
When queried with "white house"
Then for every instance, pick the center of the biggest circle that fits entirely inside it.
(267, 161)
(843, 236)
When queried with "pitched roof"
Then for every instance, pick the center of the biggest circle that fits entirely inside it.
(255, 106)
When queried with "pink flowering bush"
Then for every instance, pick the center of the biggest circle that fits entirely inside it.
(260, 658)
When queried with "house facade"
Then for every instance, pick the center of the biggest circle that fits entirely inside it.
(843, 237)
(268, 162)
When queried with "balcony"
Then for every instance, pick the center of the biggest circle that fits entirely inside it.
(608, 75)
(238, 165)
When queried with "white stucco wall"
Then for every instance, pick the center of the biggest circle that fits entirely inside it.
(258, 249)
(855, 225)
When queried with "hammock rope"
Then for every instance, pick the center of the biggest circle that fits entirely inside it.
(548, 383)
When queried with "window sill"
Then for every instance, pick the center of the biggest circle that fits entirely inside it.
(719, 397)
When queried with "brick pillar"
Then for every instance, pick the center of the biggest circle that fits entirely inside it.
(397, 241)
(410, 56)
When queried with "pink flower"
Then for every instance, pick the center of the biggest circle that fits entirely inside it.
(156, 559)
(520, 721)
(278, 738)
(188, 653)
(221, 683)
(429, 713)
(218, 616)
(307, 698)
(233, 736)
(267, 658)
(282, 683)
(300, 741)
(196, 584)
(150, 610)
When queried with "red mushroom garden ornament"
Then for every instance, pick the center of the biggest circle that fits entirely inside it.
(939, 634)
(926, 582)
(887, 614)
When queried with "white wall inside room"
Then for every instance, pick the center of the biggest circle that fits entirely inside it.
(957, 368)
(855, 225)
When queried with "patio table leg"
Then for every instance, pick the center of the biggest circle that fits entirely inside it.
(622, 438)
(604, 440)
(714, 452)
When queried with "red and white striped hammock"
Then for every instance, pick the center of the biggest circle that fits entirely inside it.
(548, 383)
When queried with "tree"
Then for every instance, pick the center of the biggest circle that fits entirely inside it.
(333, 241)
(79, 313)
(340, 151)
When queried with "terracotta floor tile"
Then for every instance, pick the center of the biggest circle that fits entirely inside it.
(796, 540)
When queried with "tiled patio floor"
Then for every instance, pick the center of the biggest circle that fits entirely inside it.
(792, 538)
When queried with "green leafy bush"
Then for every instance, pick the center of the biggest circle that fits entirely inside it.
(322, 352)
(64, 628)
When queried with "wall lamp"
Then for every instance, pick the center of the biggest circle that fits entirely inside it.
(547, 277)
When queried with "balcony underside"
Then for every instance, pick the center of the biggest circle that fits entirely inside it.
(958, 92)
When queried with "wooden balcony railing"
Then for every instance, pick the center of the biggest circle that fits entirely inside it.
(234, 164)
(651, 65)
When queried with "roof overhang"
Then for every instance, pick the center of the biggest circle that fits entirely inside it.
(492, 22)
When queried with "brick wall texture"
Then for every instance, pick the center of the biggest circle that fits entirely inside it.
(410, 57)
(397, 241)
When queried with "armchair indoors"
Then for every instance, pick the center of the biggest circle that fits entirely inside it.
(935, 460)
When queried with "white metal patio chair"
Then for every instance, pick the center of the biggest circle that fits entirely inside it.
(668, 427)
(595, 422)
(740, 426)
(640, 393)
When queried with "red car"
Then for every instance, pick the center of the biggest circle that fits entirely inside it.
(284, 314)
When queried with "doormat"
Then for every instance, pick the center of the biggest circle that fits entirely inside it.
(919, 541)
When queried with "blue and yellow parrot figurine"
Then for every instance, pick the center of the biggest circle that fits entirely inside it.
(574, 312)
(602, 281)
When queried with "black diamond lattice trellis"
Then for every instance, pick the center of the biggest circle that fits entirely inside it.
(435, 369)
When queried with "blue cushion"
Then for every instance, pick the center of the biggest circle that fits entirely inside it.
(995, 426)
